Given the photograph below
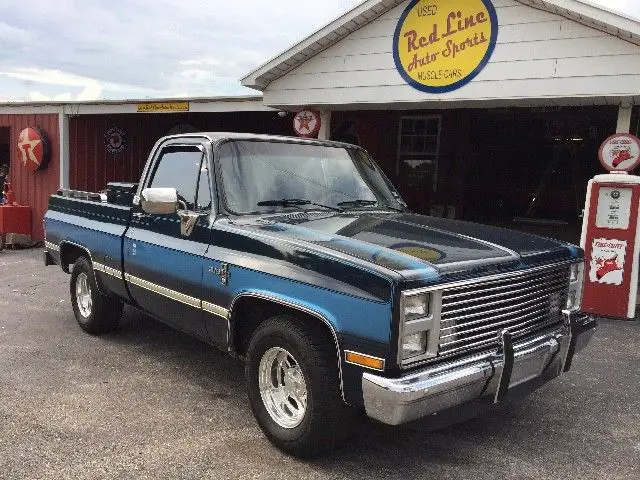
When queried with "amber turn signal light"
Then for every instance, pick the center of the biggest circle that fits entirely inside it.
(364, 360)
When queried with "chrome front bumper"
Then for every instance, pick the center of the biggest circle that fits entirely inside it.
(539, 358)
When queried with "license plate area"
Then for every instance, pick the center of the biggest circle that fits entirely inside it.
(528, 369)
(521, 365)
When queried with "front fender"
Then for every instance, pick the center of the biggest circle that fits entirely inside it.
(350, 320)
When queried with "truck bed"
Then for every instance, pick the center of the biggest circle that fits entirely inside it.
(87, 221)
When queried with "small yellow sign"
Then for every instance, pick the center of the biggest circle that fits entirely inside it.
(441, 45)
(163, 107)
(428, 254)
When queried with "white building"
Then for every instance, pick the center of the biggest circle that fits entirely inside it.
(506, 132)
(508, 129)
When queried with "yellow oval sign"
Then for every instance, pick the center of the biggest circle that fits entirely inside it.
(441, 45)
(428, 254)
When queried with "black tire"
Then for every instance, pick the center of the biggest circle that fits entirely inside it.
(104, 312)
(327, 421)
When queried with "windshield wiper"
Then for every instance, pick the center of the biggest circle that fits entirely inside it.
(294, 202)
(358, 203)
(367, 203)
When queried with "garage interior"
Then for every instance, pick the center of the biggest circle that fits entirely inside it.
(521, 168)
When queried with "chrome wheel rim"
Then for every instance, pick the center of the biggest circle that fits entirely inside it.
(282, 387)
(83, 295)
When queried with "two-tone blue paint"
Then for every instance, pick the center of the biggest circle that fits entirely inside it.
(99, 234)
(345, 269)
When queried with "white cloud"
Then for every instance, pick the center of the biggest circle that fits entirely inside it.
(39, 97)
(146, 48)
(89, 88)
(13, 35)
(200, 62)
(90, 92)
(90, 49)
(49, 77)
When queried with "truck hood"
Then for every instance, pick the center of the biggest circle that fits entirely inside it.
(411, 244)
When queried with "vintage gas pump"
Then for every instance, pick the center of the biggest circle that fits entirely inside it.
(611, 232)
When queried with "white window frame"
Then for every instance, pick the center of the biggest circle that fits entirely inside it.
(436, 155)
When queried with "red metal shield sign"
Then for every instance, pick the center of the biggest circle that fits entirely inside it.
(33, 146)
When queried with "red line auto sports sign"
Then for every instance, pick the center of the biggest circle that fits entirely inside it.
(441, 45)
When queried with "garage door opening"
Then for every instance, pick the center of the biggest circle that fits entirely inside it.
(530, 167)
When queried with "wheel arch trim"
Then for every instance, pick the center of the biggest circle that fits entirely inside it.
(95, 266)
(64, 243)
(295, 306)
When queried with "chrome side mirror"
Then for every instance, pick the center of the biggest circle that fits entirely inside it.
(159, 201)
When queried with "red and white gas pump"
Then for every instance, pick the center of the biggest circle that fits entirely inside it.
(611, 232)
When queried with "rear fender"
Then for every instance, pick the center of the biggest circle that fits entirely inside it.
(72, 251)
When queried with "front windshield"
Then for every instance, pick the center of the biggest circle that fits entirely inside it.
(255, 173)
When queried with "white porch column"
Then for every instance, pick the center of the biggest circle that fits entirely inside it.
(325, 125)
(63, 138)
(624, 118)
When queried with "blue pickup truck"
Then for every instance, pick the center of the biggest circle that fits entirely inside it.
(300, 258)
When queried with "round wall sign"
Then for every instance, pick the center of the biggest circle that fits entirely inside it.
(182, 128)
(307, 123)
(620, 152)
(441, 45)
(115, 140)
(33, 146)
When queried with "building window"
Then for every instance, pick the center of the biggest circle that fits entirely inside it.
(418, 149)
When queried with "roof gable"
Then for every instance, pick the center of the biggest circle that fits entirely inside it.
(588, 14)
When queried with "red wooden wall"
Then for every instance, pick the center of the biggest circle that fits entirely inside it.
(33, 188)
(92, 167)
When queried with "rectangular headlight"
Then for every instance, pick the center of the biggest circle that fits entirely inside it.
(419, 326)
(574, 272)
(414, 345)
(416, 306)
(574, 296)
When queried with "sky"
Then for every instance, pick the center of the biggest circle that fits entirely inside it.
(113, 49)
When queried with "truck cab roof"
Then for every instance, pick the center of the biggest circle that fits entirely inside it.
(221, 136)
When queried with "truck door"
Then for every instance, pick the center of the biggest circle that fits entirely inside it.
(164, 261)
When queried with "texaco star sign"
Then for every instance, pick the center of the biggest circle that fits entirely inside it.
(307, 123)
(33, 148)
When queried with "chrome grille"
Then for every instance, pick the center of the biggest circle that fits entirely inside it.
(474, 315)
